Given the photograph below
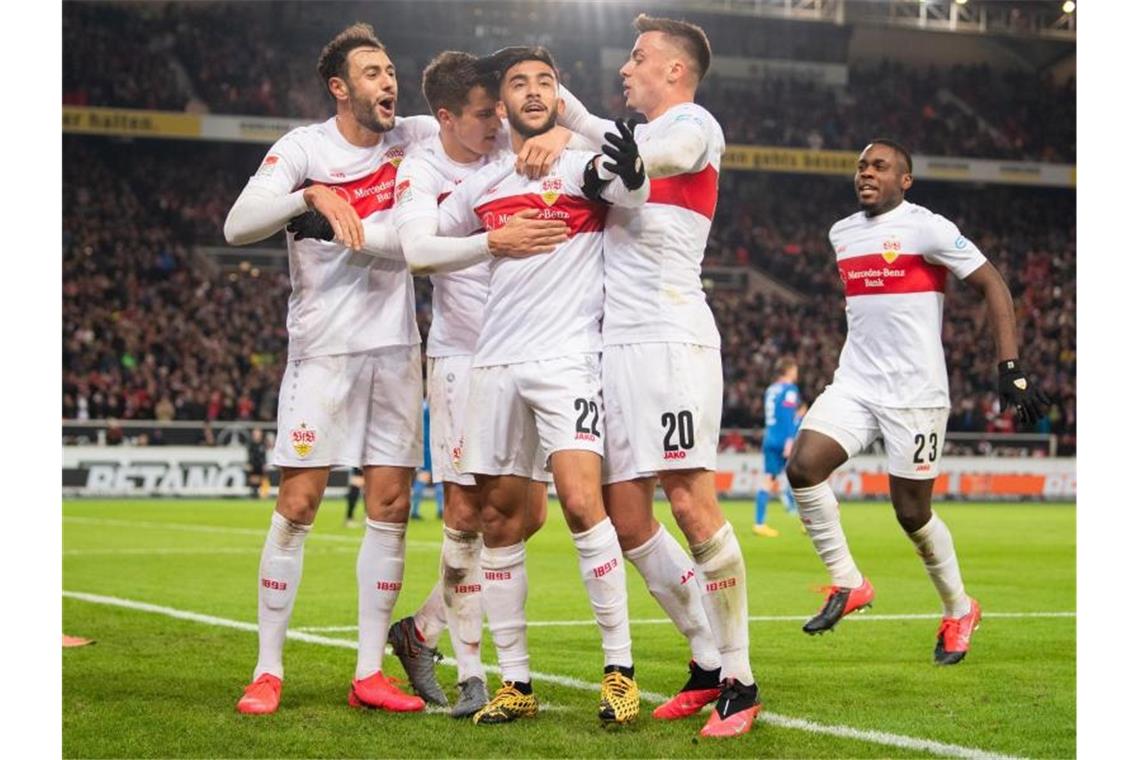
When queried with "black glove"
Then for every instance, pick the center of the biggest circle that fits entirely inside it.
(626, 160)
(1016, 390)
(311, 224)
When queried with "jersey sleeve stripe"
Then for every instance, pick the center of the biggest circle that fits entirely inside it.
(696, 191)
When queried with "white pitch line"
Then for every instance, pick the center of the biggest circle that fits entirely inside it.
(867, 617)
(192, 528)
(899, 741)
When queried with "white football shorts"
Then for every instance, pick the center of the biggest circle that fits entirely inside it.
(663, 406)
(519, 414)
(913, 437)
(352, 410)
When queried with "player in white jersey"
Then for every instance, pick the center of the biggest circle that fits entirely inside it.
(894, 257)
(662, 374)
(470, 131)
(352, 390)
(536, 382)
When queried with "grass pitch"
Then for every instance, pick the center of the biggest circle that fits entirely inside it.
(162, 679)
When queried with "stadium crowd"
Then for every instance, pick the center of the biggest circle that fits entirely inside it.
(153, 329)
(257, 59)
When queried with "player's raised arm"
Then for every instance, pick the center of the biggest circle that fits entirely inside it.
(578, 119)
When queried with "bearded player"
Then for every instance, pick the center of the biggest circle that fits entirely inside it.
(535, 383)
(894, 258)
(352, 391)
(470, 134)
(662, 373)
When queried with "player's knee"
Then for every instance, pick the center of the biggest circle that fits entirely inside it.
(633, 530)
(912, 516)
(298, 507)
(578, 507)
(536, 514)
(389, 505)
(460, 509)
(801, 474)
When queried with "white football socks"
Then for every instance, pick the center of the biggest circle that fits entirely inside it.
(504, 600)
(936, 548)
(720, 568)
(463, 603)
(671, 579)
(431, 617)
(278, 578)
(603, 571)
(819, 510)
(379, 577)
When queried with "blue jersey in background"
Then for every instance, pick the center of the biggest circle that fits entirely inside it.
(780, 403)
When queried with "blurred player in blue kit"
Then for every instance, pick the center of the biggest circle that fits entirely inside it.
(423, 476)
(781, 421)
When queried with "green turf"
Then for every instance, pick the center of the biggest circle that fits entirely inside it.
(154, 686)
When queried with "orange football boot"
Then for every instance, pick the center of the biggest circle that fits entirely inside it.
(702, 687)
(262, 696)
(840, 603)
(378, 692)
(954, 635)
(735, 712)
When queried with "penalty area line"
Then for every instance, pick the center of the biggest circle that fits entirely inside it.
(899, 741)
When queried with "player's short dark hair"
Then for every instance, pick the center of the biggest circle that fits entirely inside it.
(897, 148)
(688, 35)
(785, 363)
(448, 80)
(492, 67)
(333, 61)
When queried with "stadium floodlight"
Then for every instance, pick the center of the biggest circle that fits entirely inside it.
(1068, 6)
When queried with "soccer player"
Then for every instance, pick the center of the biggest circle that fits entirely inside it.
(258, 478)
(535, 381)
(781, 400)
(469, 135)
(352, 390)
(894, 257)
(662, 373)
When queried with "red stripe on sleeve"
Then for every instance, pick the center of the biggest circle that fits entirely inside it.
(696, 191)
(871, 275)
(579, 214)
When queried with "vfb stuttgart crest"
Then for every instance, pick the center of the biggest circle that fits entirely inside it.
(303, 438)
(551, 189)
(891, 248)
(394, 156)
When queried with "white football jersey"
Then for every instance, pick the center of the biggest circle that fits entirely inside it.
(425, 179)
(654, 252)
(548, 305)
(893, 268)
(344, 302)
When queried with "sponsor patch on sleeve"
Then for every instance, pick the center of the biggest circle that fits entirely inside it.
(268, 165)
